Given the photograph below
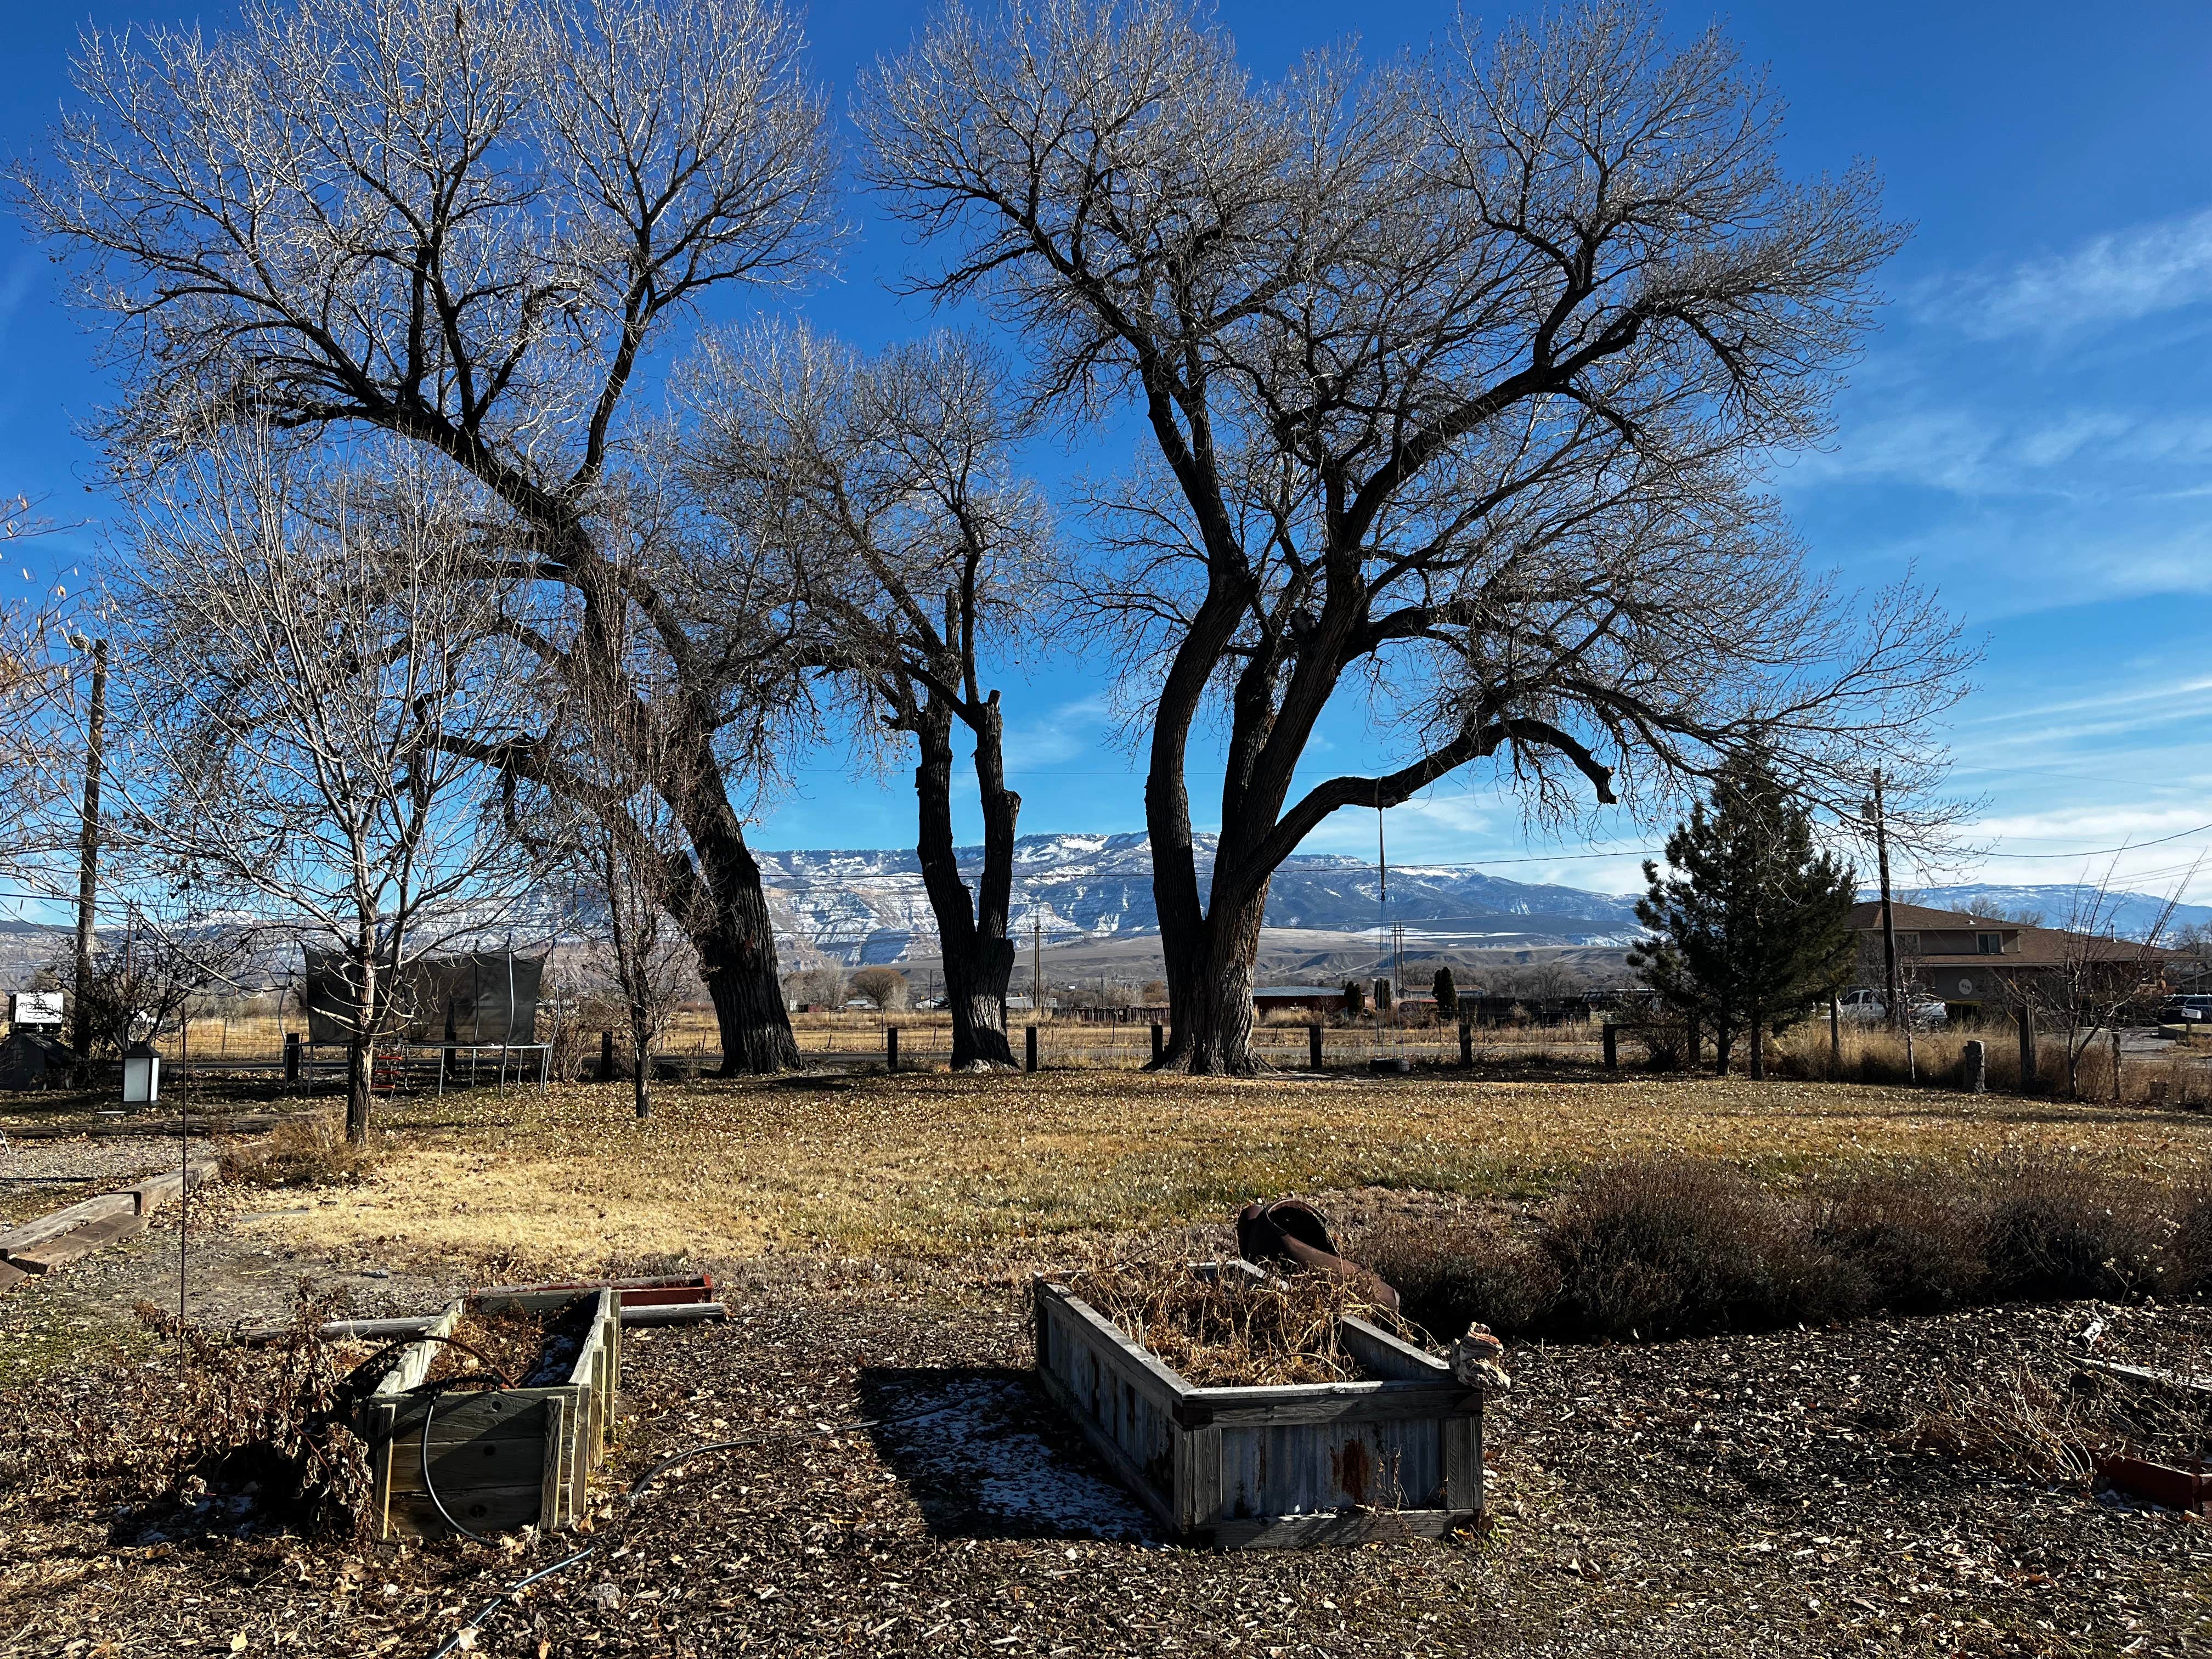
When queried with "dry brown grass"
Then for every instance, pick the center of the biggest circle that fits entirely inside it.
(1231, 1331)
(933, 1165)
(1870, 1054)
(309, 1150)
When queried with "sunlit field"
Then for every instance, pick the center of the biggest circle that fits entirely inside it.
(930, 1166)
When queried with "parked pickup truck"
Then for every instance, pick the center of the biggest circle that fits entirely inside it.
(2192, 1010)
(1868, 1007)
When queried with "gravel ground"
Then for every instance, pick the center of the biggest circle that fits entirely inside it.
(1746, 1495)
(40, 1176)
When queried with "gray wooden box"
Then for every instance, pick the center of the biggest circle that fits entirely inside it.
(501, 1458)
(1394, 1454)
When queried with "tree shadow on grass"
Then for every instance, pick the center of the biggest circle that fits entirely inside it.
(986, 1454)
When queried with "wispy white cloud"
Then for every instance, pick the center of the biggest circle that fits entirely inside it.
(1068, 732)
(2117, 278)
(2085, 453)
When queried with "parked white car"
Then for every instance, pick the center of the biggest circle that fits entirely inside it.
(1868, 1007)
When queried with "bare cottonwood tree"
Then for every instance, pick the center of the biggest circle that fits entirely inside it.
(466, 224)
(43, 675)
(916, 554)
(1454, 379)
(2098, 973)
(621, 842)
(296, 647)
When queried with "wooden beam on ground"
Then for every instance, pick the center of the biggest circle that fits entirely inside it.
(151, 1193)
(32, 1234)
(72, 1246)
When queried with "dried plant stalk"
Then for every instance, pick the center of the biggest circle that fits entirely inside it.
(1231, 1331)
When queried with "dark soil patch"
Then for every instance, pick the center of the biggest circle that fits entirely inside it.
(1721, 1495)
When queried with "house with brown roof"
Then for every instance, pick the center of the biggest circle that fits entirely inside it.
(1974, 964)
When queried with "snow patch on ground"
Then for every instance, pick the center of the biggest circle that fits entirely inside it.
(977, 1441)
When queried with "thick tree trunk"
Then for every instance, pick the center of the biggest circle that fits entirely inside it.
(1723, 1041)
(641, 1065)
(1210, 976)
(971, 931)
(726, 916)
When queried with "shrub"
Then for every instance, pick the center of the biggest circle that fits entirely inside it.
(1918, 1239)
(300, 1152)
(2186, 1272)
(1666, 1047)
(1673, 1246)
(1449, 1277)
(1678, 1246)
(2056, 1233)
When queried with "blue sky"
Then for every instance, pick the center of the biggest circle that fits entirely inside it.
(2031, 428)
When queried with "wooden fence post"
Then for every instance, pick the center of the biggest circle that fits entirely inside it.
(891, 1047)
(1312, 1048)
(291, 1057)
(606, 1056)
(2027, 1077)
(1976, 1066)
(1159, 1043)
(1467, 1040)
(1031, 1034)
(1612, 1047)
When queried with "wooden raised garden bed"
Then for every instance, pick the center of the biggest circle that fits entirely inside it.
(500, 1458)
(1396, 1452)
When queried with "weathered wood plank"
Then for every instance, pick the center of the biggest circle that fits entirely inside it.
(551, 1511)
(1133, 1478)
(78, 1242)
(1198, 1479)
(1325, 1402)
(1106, 1339)
(11, 1277)
(31, 1234)
(412, 1515)
(151, 1193)
(497, 1414)
(466, 1466)
(1386, 1359)
(378, 1424)
(1463, 1450)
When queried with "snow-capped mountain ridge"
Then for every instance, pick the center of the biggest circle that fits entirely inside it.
(868, 905)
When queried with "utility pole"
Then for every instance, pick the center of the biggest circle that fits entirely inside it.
(1891, 992)
(1037, 964)
(87, 854)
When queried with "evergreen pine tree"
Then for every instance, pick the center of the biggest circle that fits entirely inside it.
(1751, 922)
(1447, 995)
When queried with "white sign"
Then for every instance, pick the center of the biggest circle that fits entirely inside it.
(35, 1007)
